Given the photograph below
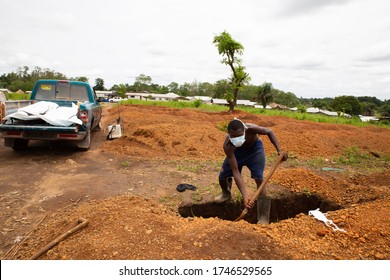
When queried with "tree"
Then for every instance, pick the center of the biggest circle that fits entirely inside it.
(384, 110)
(347, 104)
(249, 92)
(99, 84)
(80, 79)
(230, 50)
(120, 89)
(173, 87)
(184, 89)
(265, 93)
(220, 88)
(24, 80)
(205, 89)
(368, 108)
(288, 99)
(142, 83)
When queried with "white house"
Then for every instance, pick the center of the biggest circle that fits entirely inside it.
(155, 96)
(218, 101)
(204, 99)
(312, 110)
(368, 118)
(261, 107)
(246, 103)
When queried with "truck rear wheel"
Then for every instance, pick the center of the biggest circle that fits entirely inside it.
(20, 144)
(98, 127)
(85, 144)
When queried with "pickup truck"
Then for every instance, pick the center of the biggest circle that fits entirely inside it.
(18, 128)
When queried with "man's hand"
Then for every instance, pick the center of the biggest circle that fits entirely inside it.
(285, 155)
(249, 203)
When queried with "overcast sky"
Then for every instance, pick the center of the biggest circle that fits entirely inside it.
(313, 48)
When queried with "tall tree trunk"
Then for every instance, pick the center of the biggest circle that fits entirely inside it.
(233, 103)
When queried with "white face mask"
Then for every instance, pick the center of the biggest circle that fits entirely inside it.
(238, 141)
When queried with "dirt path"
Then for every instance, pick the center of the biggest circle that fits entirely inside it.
(126, 188)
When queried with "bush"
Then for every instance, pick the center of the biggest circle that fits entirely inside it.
(197, 103)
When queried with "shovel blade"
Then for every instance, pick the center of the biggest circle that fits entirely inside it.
(243, 214)
(263, 210)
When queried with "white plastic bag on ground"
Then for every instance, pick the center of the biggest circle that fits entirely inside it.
(317, 214)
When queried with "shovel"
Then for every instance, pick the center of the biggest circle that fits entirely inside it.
(262, 186)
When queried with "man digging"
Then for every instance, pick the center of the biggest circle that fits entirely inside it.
(243, 147)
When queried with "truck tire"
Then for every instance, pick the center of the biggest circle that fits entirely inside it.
(20, 144)
(85, 144)
(98, 127)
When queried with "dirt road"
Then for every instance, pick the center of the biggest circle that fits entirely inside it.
(126, 188)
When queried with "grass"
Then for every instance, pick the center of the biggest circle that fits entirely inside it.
(191, 166)
(170, 201)
(353, 157)
(196, 105)
(124, 164)
(18, 96)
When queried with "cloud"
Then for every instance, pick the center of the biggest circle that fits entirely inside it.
(377, 58)
(301, 7)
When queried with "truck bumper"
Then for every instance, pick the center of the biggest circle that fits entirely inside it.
(42, 132)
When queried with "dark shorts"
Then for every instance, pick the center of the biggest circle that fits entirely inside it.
(253, 158)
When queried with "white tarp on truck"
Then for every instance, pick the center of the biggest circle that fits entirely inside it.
(50, 112)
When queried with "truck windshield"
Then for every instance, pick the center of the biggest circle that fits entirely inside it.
(62, 91)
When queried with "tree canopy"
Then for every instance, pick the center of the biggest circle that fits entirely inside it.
(99, 84)
(230, 51)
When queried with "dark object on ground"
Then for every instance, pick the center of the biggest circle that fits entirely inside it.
(183, 187)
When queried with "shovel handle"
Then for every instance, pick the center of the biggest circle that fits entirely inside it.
(262, 186)
(265, 181)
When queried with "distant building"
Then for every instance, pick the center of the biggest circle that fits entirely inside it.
(170, 96)
(218, 101)
(246, 103)
(368, 118)
(204, 99)
(313, 110)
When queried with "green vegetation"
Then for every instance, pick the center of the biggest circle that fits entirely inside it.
(24, 79)
(230, 51)
(352, 156)
(124, 164)
(17, 96)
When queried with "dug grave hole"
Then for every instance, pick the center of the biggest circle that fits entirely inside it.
(284, 205)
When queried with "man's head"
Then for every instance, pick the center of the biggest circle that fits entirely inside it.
(235, 125)
(236, 131)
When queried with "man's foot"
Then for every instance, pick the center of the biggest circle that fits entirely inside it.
(263, 221)
(222, 198)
